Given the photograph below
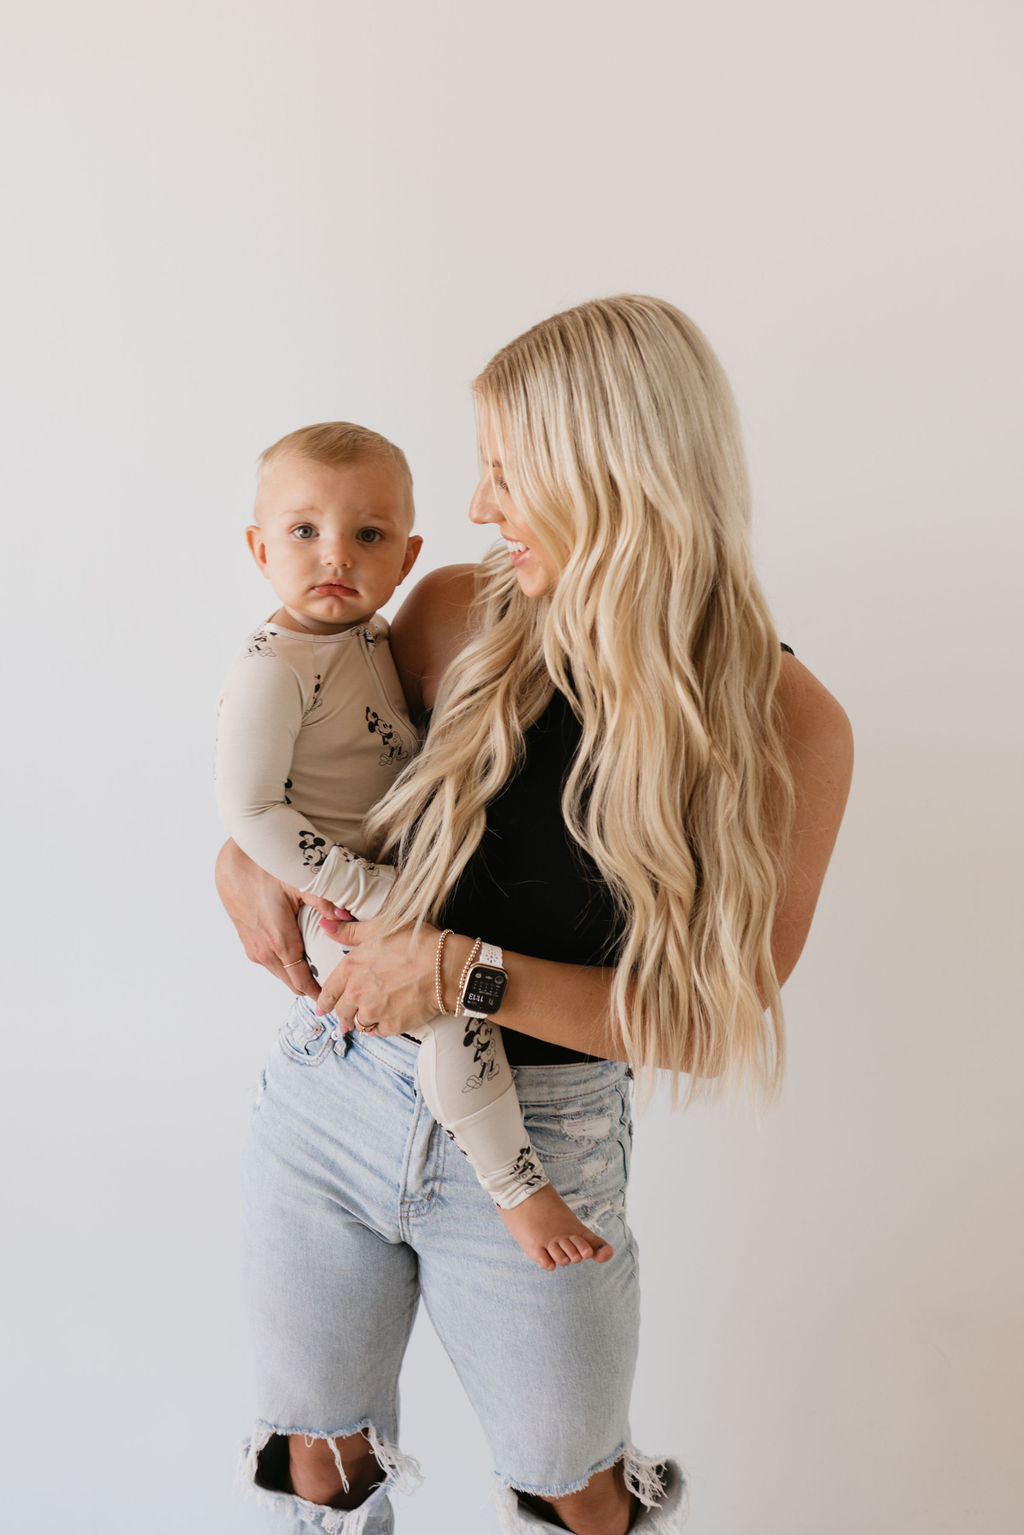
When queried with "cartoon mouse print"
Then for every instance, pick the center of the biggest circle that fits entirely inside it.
(259, 644)
(479, 1041)
(393, 751)
(526, 1169)
(312, 848)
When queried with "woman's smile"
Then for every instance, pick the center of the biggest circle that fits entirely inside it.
(516, 548)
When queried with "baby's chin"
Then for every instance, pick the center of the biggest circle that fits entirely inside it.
(322, 620)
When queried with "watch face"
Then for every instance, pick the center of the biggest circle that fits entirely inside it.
(484, 989)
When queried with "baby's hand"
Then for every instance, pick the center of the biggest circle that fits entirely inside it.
(335, 920)
(319, 903)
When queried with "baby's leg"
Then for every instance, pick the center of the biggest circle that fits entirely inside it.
(467, 1085)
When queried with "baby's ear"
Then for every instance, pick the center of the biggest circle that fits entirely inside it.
(257, 545)
(412, 549)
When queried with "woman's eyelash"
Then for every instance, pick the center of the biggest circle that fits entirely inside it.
(501, 484)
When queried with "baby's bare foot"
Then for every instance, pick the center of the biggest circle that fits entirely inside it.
(550, 1234)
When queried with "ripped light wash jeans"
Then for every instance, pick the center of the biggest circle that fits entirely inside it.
(356, 1204)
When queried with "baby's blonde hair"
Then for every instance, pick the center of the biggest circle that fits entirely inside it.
(620, 443)
(336, 443)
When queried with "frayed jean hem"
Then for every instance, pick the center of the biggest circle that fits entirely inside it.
(659, 1484)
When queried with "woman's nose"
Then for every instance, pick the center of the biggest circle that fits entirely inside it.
(483, 508)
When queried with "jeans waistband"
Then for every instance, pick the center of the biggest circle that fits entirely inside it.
(538, 1083)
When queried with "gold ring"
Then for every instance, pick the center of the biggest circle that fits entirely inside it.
(364, 1028)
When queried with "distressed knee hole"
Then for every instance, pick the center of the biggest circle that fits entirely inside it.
(270, 1464)
(266, 1471)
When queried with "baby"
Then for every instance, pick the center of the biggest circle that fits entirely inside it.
(312, 731)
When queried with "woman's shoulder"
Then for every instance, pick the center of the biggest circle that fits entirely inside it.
(430, 628)
(811, 717)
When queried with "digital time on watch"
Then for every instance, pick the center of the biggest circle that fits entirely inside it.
(486, 984)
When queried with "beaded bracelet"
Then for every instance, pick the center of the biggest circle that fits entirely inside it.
(438, 993)
(467, 967)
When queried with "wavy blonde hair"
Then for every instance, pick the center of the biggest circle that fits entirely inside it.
(619, 440)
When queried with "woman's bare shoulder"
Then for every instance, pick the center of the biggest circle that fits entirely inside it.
(812, 719)
(429, 630)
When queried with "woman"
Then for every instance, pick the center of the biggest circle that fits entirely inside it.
(630, 788)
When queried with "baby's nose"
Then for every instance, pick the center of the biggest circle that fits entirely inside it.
(335, 552)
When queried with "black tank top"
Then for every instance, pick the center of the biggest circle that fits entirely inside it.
(529, 886)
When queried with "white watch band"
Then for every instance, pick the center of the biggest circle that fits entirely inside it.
(489, 954)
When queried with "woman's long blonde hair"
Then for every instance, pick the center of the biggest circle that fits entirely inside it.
(618, 437)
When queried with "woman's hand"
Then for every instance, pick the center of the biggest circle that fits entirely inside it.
(386, 980)
(264, 911)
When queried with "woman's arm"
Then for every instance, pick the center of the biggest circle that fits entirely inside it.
(389, 980)
(264, 912)
(819, 746)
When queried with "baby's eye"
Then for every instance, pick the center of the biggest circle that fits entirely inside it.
(369, 535)
(304, 530)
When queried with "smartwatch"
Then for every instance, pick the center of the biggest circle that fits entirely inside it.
(485, 984)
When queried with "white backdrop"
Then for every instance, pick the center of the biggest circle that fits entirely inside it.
(224, 220)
